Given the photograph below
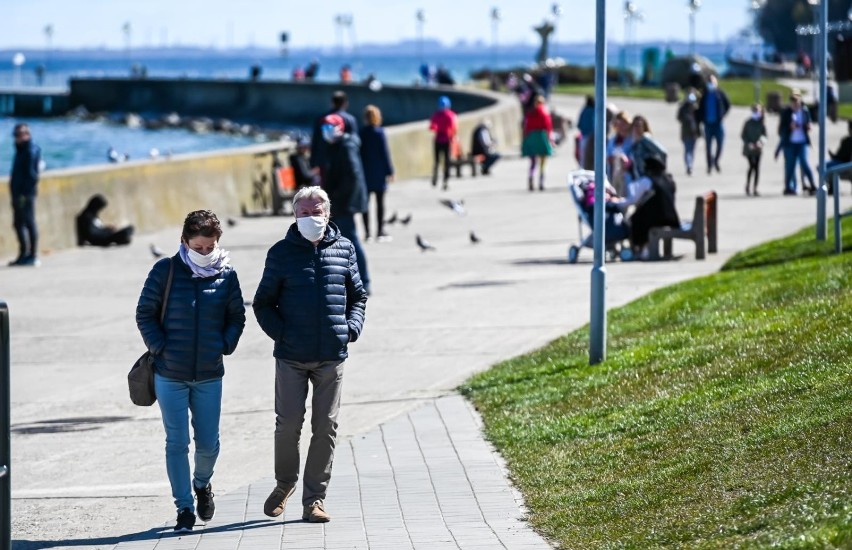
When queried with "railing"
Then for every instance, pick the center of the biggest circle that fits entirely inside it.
(834, 173)
(5, 433)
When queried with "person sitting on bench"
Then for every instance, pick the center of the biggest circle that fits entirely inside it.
(655, 207)
(843, 154)
(304, 175)
(483, 144)
(92, 230)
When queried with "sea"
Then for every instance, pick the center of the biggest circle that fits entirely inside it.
(69, 142)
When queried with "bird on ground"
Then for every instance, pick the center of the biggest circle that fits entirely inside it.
(232, 222)
(406, 220)
(156, 252)
(424, 244)
(473, 238)
(455, 206)
(392, 219)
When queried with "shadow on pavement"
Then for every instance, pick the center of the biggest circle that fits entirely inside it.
(65, 425)
(150, 534)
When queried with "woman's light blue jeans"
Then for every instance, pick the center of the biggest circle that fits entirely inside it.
(177, 398)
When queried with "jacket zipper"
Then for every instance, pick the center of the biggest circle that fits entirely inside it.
(197, 305)
(318, 283)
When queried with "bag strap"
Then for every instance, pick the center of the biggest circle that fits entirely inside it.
(168, 290)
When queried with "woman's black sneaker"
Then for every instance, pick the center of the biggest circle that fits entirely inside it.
(205, 506)
(185, 521)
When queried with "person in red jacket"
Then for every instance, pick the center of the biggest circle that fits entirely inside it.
(445, 126)
(537, 145)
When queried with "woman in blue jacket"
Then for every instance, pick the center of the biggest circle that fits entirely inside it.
(378, 168)
(203, 321)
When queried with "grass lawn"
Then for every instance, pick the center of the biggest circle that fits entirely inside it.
(740, 90)
(721, 418)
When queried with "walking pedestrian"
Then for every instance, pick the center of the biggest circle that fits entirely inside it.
(345, 185)
(445, 125)
(319, 160)
(689, 127)
(311, 302)
(23, 188)
(712, 108)
(754, 137)
(378, 169)
(203, 320)
(794, 128)
(537, 143)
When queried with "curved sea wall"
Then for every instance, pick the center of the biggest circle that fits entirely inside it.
(152, 194)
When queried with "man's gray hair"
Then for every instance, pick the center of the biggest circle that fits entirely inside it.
(313, 192)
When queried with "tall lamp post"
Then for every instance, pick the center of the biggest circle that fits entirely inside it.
(420, 16)
(631, 15)
(495, 23)
(756, 6)
(556, 11)
(815, 46)
(127, 30)
(692, 7)
(597, 321)
(823, 96)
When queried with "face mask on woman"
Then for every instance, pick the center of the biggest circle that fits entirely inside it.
(200, 259)
(312, 227)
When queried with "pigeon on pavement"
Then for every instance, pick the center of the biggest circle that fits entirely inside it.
(455, 206)
(156, 252)
(424, 244)
(473, 238)
(406, 220)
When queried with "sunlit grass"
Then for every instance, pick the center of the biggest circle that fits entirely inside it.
(721, 418)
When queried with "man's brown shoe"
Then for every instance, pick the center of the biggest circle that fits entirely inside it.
(274, 505)
(315, 513)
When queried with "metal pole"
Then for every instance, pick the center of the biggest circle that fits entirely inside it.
(823, 95)
(5, 433)
(597, 326)
(838, 243)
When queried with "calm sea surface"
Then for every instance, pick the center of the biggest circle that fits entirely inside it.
(73, 143)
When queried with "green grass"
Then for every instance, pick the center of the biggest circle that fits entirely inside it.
(740, 90)
(721, 418)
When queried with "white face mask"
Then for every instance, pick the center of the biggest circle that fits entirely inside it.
(756, 116)
(312, 227)
(200, 259)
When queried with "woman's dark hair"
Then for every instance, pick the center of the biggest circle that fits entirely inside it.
(201, 222)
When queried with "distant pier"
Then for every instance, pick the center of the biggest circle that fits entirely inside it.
(34, 102)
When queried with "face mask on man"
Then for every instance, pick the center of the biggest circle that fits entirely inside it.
(312, 227)
(202, 260)
(756, 116)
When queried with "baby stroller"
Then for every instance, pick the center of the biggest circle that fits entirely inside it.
(580, 183)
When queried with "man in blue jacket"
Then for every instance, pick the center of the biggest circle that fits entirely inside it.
(712, 108)
(23, 185)
(311, 302)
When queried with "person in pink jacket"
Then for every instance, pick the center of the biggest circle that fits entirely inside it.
(445, 125)
(538, 127)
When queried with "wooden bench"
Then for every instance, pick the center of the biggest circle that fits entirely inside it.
(458, 158)
(703, 225)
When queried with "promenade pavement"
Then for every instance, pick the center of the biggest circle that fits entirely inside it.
(412, 470)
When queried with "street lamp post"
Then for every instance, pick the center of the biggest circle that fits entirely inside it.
(631, 15)
(421, 21)
(127, 30)
(495, 23)
(815, 46)
(597, 324)
(756, 6)
(823, 95)
(692, 6)
(556, 10)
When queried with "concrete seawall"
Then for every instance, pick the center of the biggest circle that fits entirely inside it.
(151, 194)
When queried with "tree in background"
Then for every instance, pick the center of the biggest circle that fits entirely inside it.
(778, 20)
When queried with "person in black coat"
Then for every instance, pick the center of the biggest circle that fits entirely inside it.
(483, 145)
(319, 147)
(656, 208)
(378, 168)
(311, 303)
(203, 320)
(23, 187)
(345, 185)
(93, 231)
(712, 108)
(300, 162)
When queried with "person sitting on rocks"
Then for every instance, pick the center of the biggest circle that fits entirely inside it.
(93, 231)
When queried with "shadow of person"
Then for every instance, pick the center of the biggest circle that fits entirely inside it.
(154, 533)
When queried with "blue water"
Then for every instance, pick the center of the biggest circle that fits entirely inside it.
(72, 143)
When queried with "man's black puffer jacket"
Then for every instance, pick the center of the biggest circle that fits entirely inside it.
(204, 320)
(310, 300)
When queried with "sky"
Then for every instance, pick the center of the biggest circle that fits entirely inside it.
(238, 23)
